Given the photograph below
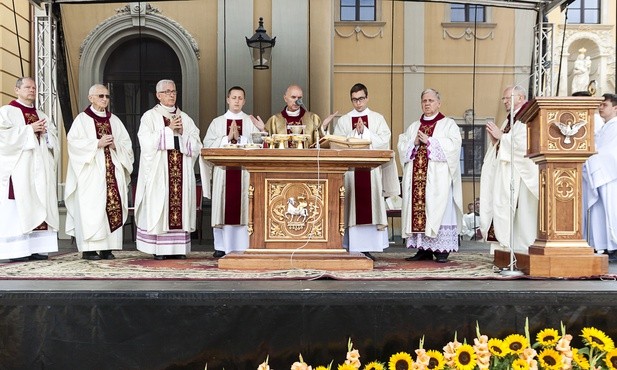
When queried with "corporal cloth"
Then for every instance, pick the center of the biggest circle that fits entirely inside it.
(97, 181)
(29, 217)
(505, 163)
(432, 191)
(229, 190)
(600, 190)
(365, 208)
(165, 199)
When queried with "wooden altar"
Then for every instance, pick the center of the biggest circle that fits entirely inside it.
(559, 139)
(296, 206)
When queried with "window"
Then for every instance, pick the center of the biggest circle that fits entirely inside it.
(584, 11)
(358, 10)
(472, 151)
(467, 13)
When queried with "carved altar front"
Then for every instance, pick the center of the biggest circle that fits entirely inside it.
(559, 139)
(296, 206)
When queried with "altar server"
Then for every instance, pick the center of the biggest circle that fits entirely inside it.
(365, 207)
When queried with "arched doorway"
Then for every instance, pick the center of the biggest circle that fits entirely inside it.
(131, 73)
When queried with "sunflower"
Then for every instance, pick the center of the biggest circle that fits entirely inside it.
(550, 359)
(611, 360)
(465, 357)
(496, 347)
(520, 364)
(400, 361)
(515, 343)
(436, 360)
(580, 359)
(346, 367)
(548, 337)
(321, 368)
(374, 366)
(597, 339)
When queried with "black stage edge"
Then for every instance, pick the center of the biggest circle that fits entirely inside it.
(235, 325)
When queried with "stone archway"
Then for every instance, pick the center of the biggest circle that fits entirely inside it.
(142, 19)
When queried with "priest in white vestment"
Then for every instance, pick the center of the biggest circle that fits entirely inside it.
(229, 191)
(600, 184)
(366, 223)
(29, 153)
(505, 165)
(432, 210)
(165, 199)
(98, 177)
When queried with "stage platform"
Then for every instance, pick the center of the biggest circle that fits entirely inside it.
(132, 324)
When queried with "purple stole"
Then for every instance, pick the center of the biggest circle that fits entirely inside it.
(362, 186)
(30, 116)
(233, 186)
(174, 183)
(419, 174)
(113, 204)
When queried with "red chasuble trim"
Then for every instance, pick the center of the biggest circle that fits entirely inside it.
(30, 116)
(233, 195)
(113, 204)
(362, 186)
(418, 182)
(238, 124)
(174, 179)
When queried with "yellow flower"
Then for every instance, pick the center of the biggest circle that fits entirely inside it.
(321, 368)
(580, 359)
(374, 366)
(520, 364)
(597, 339)
(496, 347)
(515, 343)
(436, 360)
(346, 367)
(550, 359)
(611, 360)
(400, 361)
(548, 337)
(465, 358)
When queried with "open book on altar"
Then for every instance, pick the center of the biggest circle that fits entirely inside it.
(342, 142)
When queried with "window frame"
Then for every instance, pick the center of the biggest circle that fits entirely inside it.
(582, 10)
(377, 12)
(468, 11)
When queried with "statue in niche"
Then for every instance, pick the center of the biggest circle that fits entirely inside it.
(582, 67)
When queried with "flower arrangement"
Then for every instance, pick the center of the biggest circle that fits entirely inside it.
(551, 350)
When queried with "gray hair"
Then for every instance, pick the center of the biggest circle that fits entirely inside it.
(95, 87)
(518, 90)
(20, 81)
(429, 91)
(161, 83)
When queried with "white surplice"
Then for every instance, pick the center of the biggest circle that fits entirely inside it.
(443, 192)
(86, 183)
(600, 190)
(497, 176)
(31, 164)
(154, 235)
(227, 238)
(373, 237)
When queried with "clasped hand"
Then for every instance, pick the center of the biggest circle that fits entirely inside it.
(107, 140)
(176, 124)
(421, 137)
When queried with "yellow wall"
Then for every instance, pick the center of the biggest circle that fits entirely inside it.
(10, 62)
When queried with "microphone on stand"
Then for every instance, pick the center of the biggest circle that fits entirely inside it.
(300, 103)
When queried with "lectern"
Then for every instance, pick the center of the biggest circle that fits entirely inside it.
(559, 139)
(296, 206)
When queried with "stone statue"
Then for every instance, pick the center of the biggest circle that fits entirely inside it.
(582, 66)
(468, 115)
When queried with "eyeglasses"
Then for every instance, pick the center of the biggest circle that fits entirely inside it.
(101, 96)
(358, 100)
(169, 92)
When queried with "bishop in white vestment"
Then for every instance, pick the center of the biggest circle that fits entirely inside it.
(165, 199)
(432, 210)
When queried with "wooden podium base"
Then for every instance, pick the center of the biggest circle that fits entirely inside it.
(286, 260)
(558, 262)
